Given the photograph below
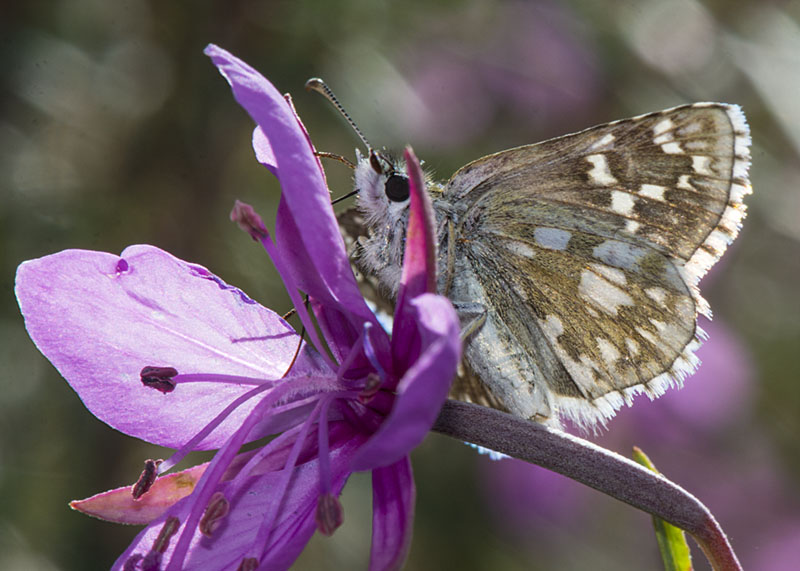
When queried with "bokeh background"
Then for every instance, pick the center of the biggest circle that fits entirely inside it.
(115, 129)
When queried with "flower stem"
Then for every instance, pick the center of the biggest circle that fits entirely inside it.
(592, 465)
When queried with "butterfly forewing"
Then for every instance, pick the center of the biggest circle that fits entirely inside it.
(587, 249)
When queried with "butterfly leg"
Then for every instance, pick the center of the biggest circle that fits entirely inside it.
(450, 260)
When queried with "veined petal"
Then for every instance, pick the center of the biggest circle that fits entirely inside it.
(393, 497)
(424, 387)
(234, 540)
(100, 318)
(304, 193)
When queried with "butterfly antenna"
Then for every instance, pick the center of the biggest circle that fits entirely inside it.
(316, 84)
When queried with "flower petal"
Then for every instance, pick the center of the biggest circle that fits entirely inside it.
(263, 151)
(100, 318)
(393, 496)
(306, 198)
(419, 259)
(419, 265)
(119, 506)
(234, 540)
(424, 387)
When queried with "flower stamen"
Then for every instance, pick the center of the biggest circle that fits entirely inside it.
(216, 511)
(248, 564)
(371, 387)
(329, 515)
(152, 561)
(146, 479)
(159, 378)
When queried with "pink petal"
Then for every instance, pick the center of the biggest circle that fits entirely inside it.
(419, 259)
(119, 506)
(424, 387)
(393, 496)
(419, 265)
(101, 318)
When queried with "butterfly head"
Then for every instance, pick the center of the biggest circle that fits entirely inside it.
(383, 192)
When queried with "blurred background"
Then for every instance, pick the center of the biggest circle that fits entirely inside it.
(115, 129)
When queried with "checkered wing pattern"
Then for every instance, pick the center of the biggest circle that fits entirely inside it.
(587, 250)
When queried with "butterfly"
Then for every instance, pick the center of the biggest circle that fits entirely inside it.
(573, 263)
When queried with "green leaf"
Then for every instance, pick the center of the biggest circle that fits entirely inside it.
(671, 540)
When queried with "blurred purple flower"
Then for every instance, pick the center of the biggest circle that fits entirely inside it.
(229, 371)
(527, 499)
(779, 548)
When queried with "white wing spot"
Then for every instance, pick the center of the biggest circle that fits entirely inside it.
(696, 145)
(673, 148)
(684, 184)
(622, 202)
(701, 164)
(612, 274)
(520, 249)
(602, 293)
(619, 254)
(603, 143)
(633, 346)
(600, 173)
(663, 126)
(552, 328)
(690, 129)
(609, 352)
(654, 191)
(664, 138)
(645, 334)
(551, 238)
(632, 226)
(657, 294)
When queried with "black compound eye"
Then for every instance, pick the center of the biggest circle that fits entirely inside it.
(396, 188)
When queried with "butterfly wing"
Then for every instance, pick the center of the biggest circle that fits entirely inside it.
(588, 248)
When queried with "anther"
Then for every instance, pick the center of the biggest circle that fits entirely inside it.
(248, 220)
(218, 507)
(330, 514)
(159, 378)
(132, 562)
(169, 529)
(152, 561)
(146, 479)
(248, 564)
(371, 388)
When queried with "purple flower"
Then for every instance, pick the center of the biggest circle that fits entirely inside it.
(227, 371)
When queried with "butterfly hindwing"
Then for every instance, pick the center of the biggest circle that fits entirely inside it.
(588, 249)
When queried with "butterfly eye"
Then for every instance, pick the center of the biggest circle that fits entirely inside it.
(396, 188)
(375, 162)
